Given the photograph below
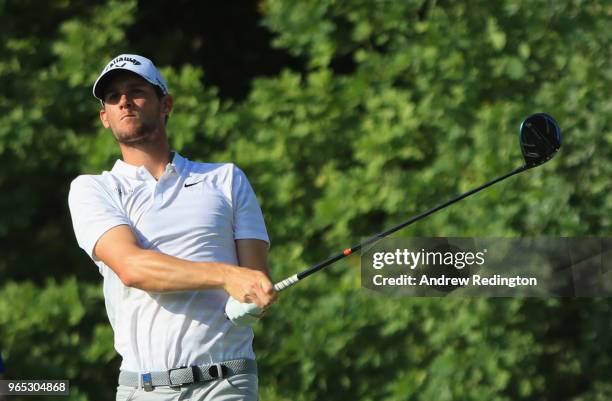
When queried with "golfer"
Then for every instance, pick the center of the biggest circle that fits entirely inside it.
(173, 239)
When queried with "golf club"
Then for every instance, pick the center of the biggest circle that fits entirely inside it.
(540, 139)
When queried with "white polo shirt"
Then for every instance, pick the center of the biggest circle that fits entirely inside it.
(195, 211)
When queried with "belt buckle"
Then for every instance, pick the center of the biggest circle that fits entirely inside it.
(147, 381)
(191, 376)
(217, 371)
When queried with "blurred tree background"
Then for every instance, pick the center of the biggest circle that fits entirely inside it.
(347, 116)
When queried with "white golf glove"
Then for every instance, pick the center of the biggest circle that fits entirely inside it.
(242, 314)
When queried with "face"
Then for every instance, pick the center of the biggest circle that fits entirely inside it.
(132, 109)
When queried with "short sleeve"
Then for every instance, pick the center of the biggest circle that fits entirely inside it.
(93, 212)
(248, 219)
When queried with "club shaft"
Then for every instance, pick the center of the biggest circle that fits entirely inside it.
(289, 281)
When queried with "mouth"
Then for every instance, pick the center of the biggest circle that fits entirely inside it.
(128, 116)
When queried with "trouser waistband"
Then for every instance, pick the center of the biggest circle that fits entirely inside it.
(187, 375)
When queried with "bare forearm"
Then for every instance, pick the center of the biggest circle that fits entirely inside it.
(154, 271)
(157, 272)
(253, 253)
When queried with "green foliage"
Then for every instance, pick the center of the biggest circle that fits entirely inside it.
(401, 105)
(56, 331)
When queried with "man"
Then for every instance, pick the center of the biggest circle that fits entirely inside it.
(172, 239)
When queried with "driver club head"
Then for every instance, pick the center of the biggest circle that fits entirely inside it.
(540, 138)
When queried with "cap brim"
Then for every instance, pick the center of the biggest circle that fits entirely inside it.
(102, 81)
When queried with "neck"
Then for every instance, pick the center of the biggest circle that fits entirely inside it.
(154, 155)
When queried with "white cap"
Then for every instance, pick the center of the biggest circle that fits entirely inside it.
(139, 65)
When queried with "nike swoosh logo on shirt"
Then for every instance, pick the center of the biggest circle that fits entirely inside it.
(191, 184)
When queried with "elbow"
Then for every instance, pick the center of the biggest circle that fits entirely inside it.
(128, 272)
(136, 272)
(127, 278)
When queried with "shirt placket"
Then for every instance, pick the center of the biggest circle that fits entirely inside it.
(157, 188)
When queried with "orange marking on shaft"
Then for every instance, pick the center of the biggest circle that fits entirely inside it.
(347, 251)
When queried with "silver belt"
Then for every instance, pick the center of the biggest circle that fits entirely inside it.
(187, 375)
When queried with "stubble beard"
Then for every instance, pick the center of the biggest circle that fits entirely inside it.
(142, 134)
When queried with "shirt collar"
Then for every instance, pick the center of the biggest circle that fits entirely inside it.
(178, 163)
(141, 173)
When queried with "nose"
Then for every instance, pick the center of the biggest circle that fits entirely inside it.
(125, 100)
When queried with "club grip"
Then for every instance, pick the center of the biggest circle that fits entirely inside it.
(286, 283)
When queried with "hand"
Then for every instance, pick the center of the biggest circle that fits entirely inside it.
(242, 314)
(249, 286)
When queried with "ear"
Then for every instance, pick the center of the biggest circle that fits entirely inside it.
(104, 117)
(166, 104)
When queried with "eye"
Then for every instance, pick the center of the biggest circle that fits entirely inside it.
(138, 92)
(111, 97)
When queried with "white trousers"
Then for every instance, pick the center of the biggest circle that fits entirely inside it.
(234, 388)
